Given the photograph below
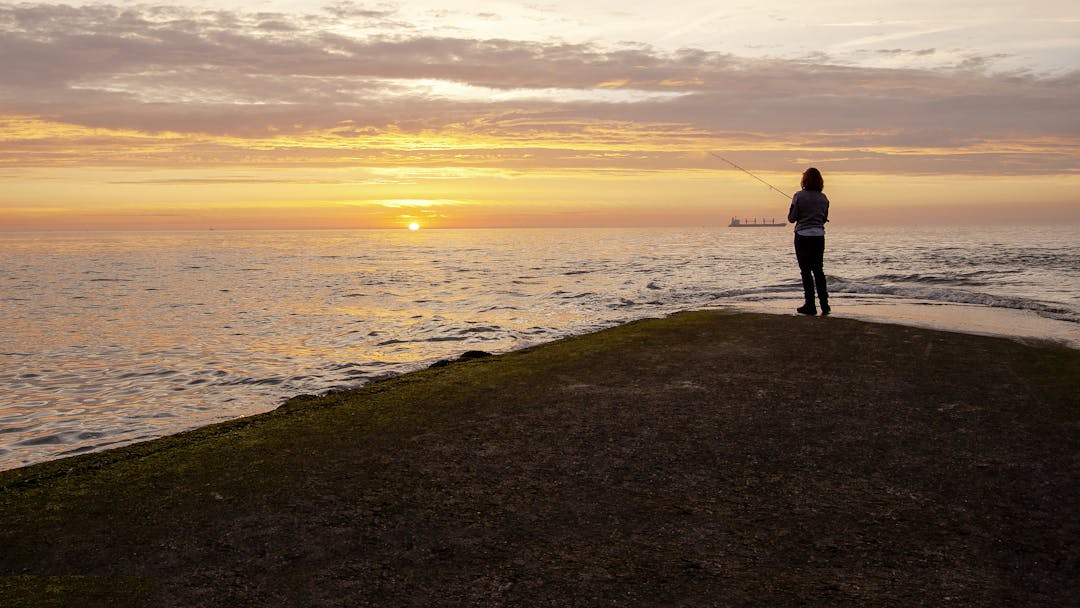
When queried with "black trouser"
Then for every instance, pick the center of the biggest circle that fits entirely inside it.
(810, 251)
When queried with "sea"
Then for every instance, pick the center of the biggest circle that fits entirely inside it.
(111, 338)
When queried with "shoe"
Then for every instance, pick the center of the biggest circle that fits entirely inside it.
(806, 310)
(825, 308)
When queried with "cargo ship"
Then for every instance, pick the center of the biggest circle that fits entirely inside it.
(737, 223)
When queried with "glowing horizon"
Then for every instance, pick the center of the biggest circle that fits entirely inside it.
(299, 115)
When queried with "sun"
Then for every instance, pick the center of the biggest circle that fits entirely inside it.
(414, 226)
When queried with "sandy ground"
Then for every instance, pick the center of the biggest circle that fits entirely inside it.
(967, 318)
(707, 459)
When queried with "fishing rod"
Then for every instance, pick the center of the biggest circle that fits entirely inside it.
(786, 195)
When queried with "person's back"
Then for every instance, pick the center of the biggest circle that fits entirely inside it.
(809, 210)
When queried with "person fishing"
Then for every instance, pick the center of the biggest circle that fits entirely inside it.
(809, 211)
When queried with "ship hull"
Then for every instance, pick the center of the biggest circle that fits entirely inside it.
(738, 223)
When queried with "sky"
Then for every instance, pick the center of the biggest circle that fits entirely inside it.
(295, 114)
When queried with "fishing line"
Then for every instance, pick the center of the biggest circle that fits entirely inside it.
(786, 195)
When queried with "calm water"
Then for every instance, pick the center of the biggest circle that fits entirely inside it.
(111, 338)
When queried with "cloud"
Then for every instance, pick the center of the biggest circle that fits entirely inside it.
(162, 85)
(346, 10)
(905, 52)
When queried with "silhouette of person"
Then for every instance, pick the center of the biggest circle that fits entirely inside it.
(809, 212)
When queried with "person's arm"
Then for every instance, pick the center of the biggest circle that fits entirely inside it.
(792, 215)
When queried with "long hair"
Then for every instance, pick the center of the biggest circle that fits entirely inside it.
(812, 180)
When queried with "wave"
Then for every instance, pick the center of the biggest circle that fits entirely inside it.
(61, 438)
(759, 292)
(952, 295)
(976, 278)
(911, 287)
